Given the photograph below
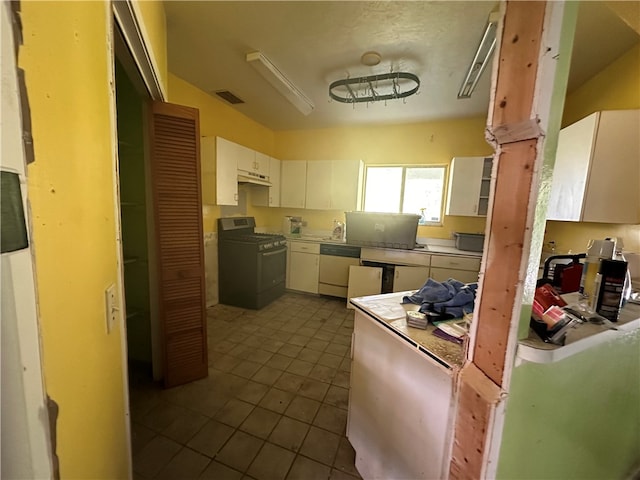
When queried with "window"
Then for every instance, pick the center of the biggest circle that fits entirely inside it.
(406, 189)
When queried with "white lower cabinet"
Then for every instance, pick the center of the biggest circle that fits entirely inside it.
(409, 278)
(304, 266)
(363, 281)
(463, 269)
(400, 414)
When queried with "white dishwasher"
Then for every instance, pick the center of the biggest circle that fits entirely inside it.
(335, 260)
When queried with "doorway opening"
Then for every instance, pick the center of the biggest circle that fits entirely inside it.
(136, 217)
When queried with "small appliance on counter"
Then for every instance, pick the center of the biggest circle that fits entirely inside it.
(597, 250)
(292, 225)
(605, 285)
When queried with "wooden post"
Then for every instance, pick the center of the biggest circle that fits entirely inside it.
(518, 116)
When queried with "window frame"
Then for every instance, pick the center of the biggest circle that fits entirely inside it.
(404, 167)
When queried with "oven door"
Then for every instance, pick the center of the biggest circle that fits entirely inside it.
(272, 268)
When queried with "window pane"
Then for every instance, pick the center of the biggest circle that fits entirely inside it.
(423, 190)
(382, 190)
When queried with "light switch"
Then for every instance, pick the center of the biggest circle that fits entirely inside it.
(111, 307)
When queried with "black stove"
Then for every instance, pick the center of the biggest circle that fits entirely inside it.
(251, 266)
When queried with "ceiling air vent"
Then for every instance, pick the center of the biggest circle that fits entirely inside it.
(229, 97)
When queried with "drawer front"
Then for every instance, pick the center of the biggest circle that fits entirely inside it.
(444, 274)
(305, 247)
(458, 263)
(397, 257)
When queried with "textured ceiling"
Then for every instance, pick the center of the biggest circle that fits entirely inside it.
(315, 43)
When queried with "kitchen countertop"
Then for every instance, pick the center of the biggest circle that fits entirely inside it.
(426, 247)
(387, 310)
(580, 338)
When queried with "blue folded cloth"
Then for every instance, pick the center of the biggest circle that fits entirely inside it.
(452, 297)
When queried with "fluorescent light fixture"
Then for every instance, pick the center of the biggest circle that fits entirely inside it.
(276, 78)
(481, 58)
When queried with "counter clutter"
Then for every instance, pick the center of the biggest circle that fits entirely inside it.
(389, 311)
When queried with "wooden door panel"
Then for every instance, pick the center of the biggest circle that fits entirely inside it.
(175, 174)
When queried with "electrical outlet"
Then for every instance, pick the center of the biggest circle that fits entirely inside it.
(111, 307)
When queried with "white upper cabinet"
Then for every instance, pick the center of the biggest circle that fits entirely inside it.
(246, 159)
(334, 184)
(469, 185)
(227, 154)
(293, 176)
(269, 196)
(597, 170)
(318, 194)
(347, 178)
(262, 164)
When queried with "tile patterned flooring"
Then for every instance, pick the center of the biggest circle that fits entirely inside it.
(274, 405)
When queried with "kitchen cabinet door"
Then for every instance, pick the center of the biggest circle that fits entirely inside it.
(262, 164)
(304, 266)
(293, 182)
(318, 194)
(469, 183)
(268, 196)
(346, 184)
(246, 158)
(409, 278)
(334, 184)
(597, 169)
(363, 281)
(227, 154)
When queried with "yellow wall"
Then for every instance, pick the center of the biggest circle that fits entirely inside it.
(431, 143)
(71, 193)
(617, 87)
(218, 119)
(614, 88)
(154, 26)
(420, 143)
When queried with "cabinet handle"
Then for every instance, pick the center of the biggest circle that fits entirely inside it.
(397, 273)
(379, 275)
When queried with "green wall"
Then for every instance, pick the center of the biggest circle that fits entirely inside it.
(577, 418)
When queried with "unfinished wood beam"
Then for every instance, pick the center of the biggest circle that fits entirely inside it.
(515, 129)
(508, 227)
(477, 397)
(512, 106)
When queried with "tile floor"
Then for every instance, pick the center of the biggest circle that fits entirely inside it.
(274, 405)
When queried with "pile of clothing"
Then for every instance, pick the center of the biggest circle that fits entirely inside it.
(449, 299)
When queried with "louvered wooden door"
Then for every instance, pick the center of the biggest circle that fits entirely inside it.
(175, 176)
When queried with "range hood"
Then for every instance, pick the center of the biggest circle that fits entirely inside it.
(253, 178)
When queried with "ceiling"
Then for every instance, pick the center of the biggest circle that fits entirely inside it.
(315, 43)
